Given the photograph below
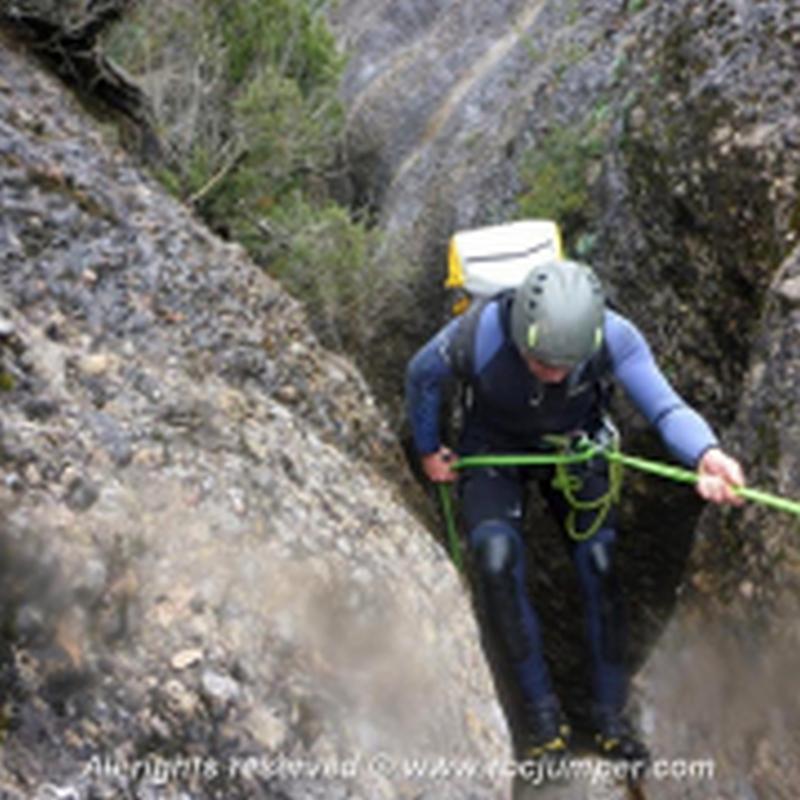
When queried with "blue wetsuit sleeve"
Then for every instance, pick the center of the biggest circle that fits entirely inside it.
(684, 432)
(426, 375)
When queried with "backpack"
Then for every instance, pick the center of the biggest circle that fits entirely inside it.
(484, 261)
(488, 263)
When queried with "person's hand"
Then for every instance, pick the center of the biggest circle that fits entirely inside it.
(718, 474)
(437, 466)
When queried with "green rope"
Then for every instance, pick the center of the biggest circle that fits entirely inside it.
(579, 452)
(687, 476)
(570, 485)
(450, 523)
(527, 460)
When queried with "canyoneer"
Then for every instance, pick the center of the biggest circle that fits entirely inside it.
(538, 360)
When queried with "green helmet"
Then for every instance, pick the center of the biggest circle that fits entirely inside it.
(557, 313)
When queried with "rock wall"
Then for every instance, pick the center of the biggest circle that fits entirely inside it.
(136, 346)
(725, 679)
(201, 563)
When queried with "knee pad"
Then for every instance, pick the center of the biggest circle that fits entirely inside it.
(600, 558)
(502, 587)
(496, 552)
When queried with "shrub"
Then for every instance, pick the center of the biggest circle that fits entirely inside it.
(245, 94)
(227, 78)
(556, 176)
(289, 35)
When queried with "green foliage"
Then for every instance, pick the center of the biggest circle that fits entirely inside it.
(7, 382)
(245, 94)
(574, 12)
(585, 245)
(238, 85)
(620, 66)
(288, 135)
(280, 142)
(323, 254)
(557, 174)
(342, 269)
(289, 35)
(535, 54)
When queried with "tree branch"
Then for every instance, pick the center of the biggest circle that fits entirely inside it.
(71, 49)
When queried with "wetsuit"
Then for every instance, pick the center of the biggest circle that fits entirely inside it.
(508, 411)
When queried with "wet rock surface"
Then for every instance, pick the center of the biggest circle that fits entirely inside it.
(732, 690)
(203, 575)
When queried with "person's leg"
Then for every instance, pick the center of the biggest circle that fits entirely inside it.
(606, 626)
(492, 506)
(606, 622)
(604, 611)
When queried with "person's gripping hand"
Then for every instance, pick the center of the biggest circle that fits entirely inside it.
(438, 466)
(718, 476)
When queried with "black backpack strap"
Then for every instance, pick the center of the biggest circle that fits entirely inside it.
(461, 352)
(603, 376)
(462, 346)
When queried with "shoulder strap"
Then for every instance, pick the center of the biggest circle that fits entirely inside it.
(462, 345)
(602, 375)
